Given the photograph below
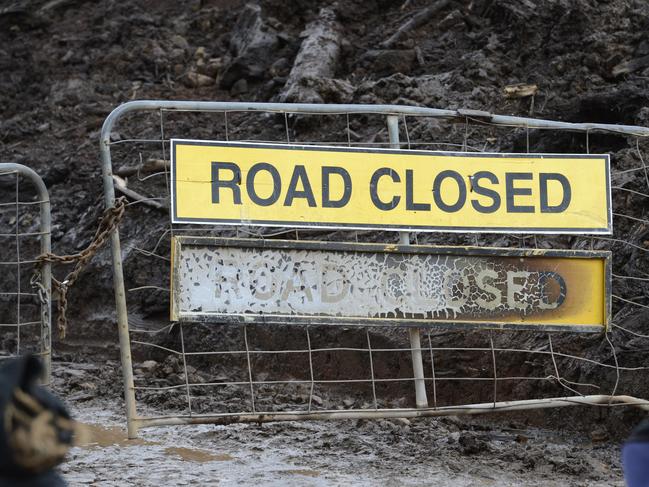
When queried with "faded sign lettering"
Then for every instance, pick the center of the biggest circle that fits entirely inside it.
(349, 282)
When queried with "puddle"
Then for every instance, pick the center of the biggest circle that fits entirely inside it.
(201, 456)
(97, 436)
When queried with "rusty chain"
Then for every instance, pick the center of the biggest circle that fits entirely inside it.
(108, 222)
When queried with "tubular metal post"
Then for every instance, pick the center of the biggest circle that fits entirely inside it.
(46, 277)
(415, 340)
(118, 284)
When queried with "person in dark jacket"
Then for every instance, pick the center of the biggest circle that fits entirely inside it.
(36, 431)
(635, 456)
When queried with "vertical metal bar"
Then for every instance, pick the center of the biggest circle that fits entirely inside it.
(418, 368)
(46, 278)
(465, 143)
(46, 267)
(560, 379)
(393, 131)
(349, 135)
(493, 359)
(182, 348)
(118, 285)
(308, 341)
(617, 367)
(432, 366)
(252, 390)
(369, 350)
(415, 340)
(17, 265)
(405, 128)
(288, 137)
(644, 166)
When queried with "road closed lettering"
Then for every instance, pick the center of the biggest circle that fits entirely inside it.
(389, 189)
(216, 278)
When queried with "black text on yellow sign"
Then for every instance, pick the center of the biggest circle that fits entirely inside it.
(281, 185)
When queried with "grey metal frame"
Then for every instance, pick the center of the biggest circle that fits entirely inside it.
(392, 114)
(44, 284)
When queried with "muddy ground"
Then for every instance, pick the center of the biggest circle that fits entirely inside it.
(65, 64)
(450, 451)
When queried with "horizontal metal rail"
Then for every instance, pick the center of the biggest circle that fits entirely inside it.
(489, 407)
(341, 109)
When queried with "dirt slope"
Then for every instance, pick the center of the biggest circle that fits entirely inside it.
(65, 64)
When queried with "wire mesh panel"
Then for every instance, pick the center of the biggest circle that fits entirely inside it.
(205, 372)
(24, 293)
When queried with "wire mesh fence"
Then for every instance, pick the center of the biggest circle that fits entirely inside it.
(197, 372)
(25, 320)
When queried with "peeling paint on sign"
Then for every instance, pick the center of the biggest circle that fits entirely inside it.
(218, 278)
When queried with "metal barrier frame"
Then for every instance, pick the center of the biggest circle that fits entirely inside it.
(45, 284)
(392, 114)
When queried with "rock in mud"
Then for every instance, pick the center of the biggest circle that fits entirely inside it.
(197, 80)
(471, 444)
(148, 365)
(240, 87)
(252, 43)
(385, 62)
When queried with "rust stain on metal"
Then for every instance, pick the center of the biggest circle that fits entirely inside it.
(219, 280)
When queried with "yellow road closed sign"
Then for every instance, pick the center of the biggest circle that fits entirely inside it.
(387, 189)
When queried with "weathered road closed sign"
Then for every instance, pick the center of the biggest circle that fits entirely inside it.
(282, 185)
(279, 281)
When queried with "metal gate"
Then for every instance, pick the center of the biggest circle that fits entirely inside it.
(222, 373)
(25, 233)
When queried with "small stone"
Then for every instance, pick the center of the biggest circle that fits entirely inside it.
(281, 67)
(158, 53)
(88, 386)
(68, 55)
(177, 55)
(197, 80)
(179, 42)
(472, 444)
(212, 67)
(200, 53)
(239, 87)
(317, 400)
(400, 421)
(348, 402)
(389, 61)
(454, 19)
(599, 435)
(148, 365)
(196, 379)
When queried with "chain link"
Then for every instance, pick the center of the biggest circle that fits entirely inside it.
(108, 222)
